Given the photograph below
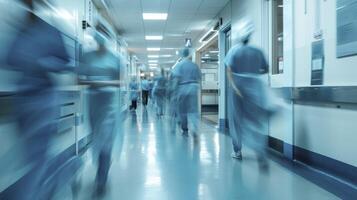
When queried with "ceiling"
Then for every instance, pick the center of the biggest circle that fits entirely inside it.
(186, 19)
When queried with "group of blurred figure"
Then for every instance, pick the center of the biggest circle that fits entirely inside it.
(250, 102)
(177, 92)
(38, 54)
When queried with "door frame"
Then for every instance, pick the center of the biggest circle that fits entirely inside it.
(197, 59)
(222, 108)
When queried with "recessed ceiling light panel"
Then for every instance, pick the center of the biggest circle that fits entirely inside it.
(153, 49)
(153, 56)
(153, 37)
(154, 16)
(166, 56)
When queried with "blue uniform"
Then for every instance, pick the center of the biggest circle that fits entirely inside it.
(38, 52)
(145, 85)
(103, 109)
(247, 114)
(134, 91)
(145, 88)
(159, 94)
(188, 75)
(172, 105)
(133, 94)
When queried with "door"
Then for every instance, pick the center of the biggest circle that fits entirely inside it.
(228, 45)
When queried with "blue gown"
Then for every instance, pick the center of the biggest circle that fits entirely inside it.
(188, 75)
(103, 109)
(38, 52)
(134, 91)
(248, 113)
(159, 94)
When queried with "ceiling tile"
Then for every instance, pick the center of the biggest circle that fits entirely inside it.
(186, 19)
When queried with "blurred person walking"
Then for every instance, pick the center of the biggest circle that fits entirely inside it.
(145, 88)
(159, 93)
(102, 68)
(249, 105)
(38, 53)
(172, 103)
(134, 94)
(187, 76)
(151, 99)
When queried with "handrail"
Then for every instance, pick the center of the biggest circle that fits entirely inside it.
(328, 94)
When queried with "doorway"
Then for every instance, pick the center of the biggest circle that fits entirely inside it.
(209, 62)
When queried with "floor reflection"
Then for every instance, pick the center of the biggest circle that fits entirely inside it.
(156, 164)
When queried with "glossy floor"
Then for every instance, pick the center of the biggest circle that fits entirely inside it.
(151, 163)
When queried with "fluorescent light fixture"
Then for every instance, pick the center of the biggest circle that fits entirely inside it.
(153, 61)
(64, 14)
(154, 16)
(203, 45)
(153, 56)
(153, 49)
(208, 36)
(166, 56)
(281, 6)
(153, 65)
(153, 37)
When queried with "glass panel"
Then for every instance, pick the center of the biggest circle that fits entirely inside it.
(278, 37)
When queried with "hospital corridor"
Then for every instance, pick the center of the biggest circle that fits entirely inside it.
(178, 99)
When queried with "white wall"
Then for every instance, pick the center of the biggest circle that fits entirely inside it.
(326, 130)
(251, 9)
(338, 72)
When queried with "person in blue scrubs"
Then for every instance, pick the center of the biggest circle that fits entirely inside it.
(145, 88)
(248, 103)
(103, 75)
(151, 87)
(172, 103)
(134, 94)
(39, 54)
(159, 93)
(188, 77)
